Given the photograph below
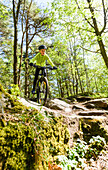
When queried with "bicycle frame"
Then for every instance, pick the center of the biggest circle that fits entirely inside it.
(42, 85)
(43, 72)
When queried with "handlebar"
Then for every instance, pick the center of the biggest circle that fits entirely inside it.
(48, 67)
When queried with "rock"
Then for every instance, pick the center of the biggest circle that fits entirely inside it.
(77, 106)
(83, 98)
(57, 104)
(97, 103)
(90, 105)
(79, 98)
(93, 113)
(40, 108)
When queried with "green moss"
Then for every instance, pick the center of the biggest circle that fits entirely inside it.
(2, 123)
(16, 106)
(16, 149)
(29, 146)
(0, 95)
(29, 142)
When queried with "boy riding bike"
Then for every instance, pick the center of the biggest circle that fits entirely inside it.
(40, 60)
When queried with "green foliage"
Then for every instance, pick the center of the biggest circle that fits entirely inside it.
(99, 95)
(97, 142)
(96, 145)
(5, 45)
(3, 11)
(70, 43)
(74, 159)
(77, 156)
(81, 147)
(4, 21)
(76, 64)
(15, 90)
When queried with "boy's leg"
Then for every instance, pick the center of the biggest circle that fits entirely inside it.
(35, 79)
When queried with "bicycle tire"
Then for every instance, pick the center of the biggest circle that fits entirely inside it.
(43, 89)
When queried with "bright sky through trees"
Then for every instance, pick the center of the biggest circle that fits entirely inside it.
(42, 3)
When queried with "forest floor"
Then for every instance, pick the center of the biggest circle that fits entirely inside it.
(74, 111)
(101, 163)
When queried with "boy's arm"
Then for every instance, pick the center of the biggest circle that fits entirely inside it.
(33, 60)
(49, 61)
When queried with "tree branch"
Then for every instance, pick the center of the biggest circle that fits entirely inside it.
(84, 15)
(90, 50)
(104, 17)
(93, 18)
(18, 8)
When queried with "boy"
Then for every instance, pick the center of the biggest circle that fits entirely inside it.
(40, 59)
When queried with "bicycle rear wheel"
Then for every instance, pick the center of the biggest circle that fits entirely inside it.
(43, 90)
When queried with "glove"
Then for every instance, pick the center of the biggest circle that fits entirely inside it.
(55, 67)
(31, 64)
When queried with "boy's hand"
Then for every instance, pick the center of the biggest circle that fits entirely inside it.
(55, 67)
(31, 64)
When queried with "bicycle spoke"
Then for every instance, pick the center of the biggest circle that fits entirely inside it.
(43, 90)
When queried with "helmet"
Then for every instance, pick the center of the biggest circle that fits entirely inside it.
(42, 47)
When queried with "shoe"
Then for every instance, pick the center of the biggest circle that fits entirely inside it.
(33, 91)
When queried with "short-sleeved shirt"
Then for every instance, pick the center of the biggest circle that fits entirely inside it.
(41, 60)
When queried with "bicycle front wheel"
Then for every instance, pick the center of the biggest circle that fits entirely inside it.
(43, 90)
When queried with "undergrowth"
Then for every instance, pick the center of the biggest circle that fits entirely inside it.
(77, 157)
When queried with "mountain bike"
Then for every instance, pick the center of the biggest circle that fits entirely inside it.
(42, 87)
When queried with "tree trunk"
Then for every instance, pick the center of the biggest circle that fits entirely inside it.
(15, 18)
(61, 89)
(67, 89)
(96, 84)
(22, 22)
(20, 62)
(70, 88)
(58, 86)
(81, 87)
(15, 53)
(103, 51)
(86, 73)
(99, 33)
(26, 61)
(76, 82)
(15, 45)
(73, 82)
(76, 66)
